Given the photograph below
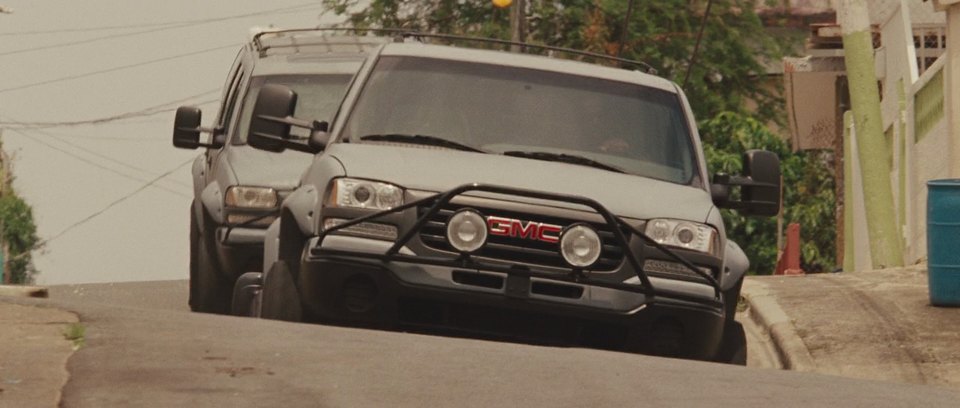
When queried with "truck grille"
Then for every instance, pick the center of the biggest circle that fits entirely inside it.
(515, 249)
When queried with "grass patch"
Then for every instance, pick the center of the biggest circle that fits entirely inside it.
(75, 333)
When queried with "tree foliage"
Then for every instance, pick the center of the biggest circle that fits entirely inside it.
(723, 86)
(808, 193)
(661, 33)
(19, 233)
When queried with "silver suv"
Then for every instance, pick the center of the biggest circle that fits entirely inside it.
(508, 194)
(238, 189)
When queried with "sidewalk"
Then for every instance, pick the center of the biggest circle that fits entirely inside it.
(875, 325)
(33, 354)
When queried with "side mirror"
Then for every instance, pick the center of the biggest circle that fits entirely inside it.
(759, 185)
(763, 168)
(186, 128)
(268, 130)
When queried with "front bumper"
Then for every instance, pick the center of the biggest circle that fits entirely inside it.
(363, 281)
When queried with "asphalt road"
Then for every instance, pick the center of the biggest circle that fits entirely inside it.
(144, 349)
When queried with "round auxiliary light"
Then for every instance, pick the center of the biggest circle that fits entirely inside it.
(467, 231)
(580, 246)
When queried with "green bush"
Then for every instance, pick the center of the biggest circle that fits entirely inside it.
(808, 193)
(19, 232)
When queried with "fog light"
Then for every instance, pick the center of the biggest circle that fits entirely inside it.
(467, 231)
(580, 246)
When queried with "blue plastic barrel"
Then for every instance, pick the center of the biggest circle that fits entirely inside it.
(943, 241)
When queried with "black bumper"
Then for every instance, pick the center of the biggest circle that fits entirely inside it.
(363, 292)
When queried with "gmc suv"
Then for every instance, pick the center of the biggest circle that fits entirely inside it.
(507, 194)
(238, 189)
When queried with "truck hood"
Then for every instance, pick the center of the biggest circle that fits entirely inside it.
(254, 167)
(436, 169)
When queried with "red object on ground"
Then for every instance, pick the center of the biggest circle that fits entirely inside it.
(788, 263)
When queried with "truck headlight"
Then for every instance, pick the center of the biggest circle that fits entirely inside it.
(251, 197)
(683, 234)
(580, 245)
(348, 192)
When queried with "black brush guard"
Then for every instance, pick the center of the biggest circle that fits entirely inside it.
(576, 275)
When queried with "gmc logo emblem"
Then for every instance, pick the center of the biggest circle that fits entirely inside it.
(537, 231)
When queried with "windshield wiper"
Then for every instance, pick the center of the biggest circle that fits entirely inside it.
(565, 158)
(422, 139)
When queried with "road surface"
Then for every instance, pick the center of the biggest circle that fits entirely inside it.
(144, 349)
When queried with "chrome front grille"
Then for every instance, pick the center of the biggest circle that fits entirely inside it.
(516, 249)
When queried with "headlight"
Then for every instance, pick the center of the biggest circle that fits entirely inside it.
(467, 231)
(683, 234)
(250, 197)
(580, 246)
(356, 193)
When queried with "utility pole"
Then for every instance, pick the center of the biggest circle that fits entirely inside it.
(518, 21)
(854, 19)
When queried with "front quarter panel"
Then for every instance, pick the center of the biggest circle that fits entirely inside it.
(304, 204)
(211, 197)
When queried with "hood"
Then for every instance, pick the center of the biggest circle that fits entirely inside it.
(254, 167)
(434, 169)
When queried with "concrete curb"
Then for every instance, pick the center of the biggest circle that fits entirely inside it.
(767, 314)
(24, 291)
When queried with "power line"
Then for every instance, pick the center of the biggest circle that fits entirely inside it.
(104, 71)
(109, 159)
(174, 26)
(148, 111)
(115, 203)
(93, 163)
(90, 29)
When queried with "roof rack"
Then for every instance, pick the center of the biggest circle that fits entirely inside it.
(523, 46)
(262, 46)
(400, 34)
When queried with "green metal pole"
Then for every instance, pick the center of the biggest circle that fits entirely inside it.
(885, 249)
(849, 262)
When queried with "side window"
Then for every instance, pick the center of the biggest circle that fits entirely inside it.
(229, 104)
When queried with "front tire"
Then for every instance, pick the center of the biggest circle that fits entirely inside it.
(210, 292)
(279, 298)
(733, 347)
(731, 298)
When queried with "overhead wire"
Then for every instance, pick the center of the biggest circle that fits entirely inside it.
(148, 111)
(295, 8)
(120, 163)
(114, 203)
(114, 69)
(93, 163)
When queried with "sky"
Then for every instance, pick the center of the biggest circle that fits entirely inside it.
(111, 198)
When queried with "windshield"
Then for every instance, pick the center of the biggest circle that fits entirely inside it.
(637, 129)
(318, 97)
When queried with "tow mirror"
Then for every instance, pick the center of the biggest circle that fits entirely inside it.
(273, 117)
(186, 127)
(268, 129)
(759, 185)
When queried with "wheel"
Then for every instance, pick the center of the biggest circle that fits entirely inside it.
(246, 292)
(733, 347)
(731, 297)
(279, 299)
(210, 292)
(194, 240)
